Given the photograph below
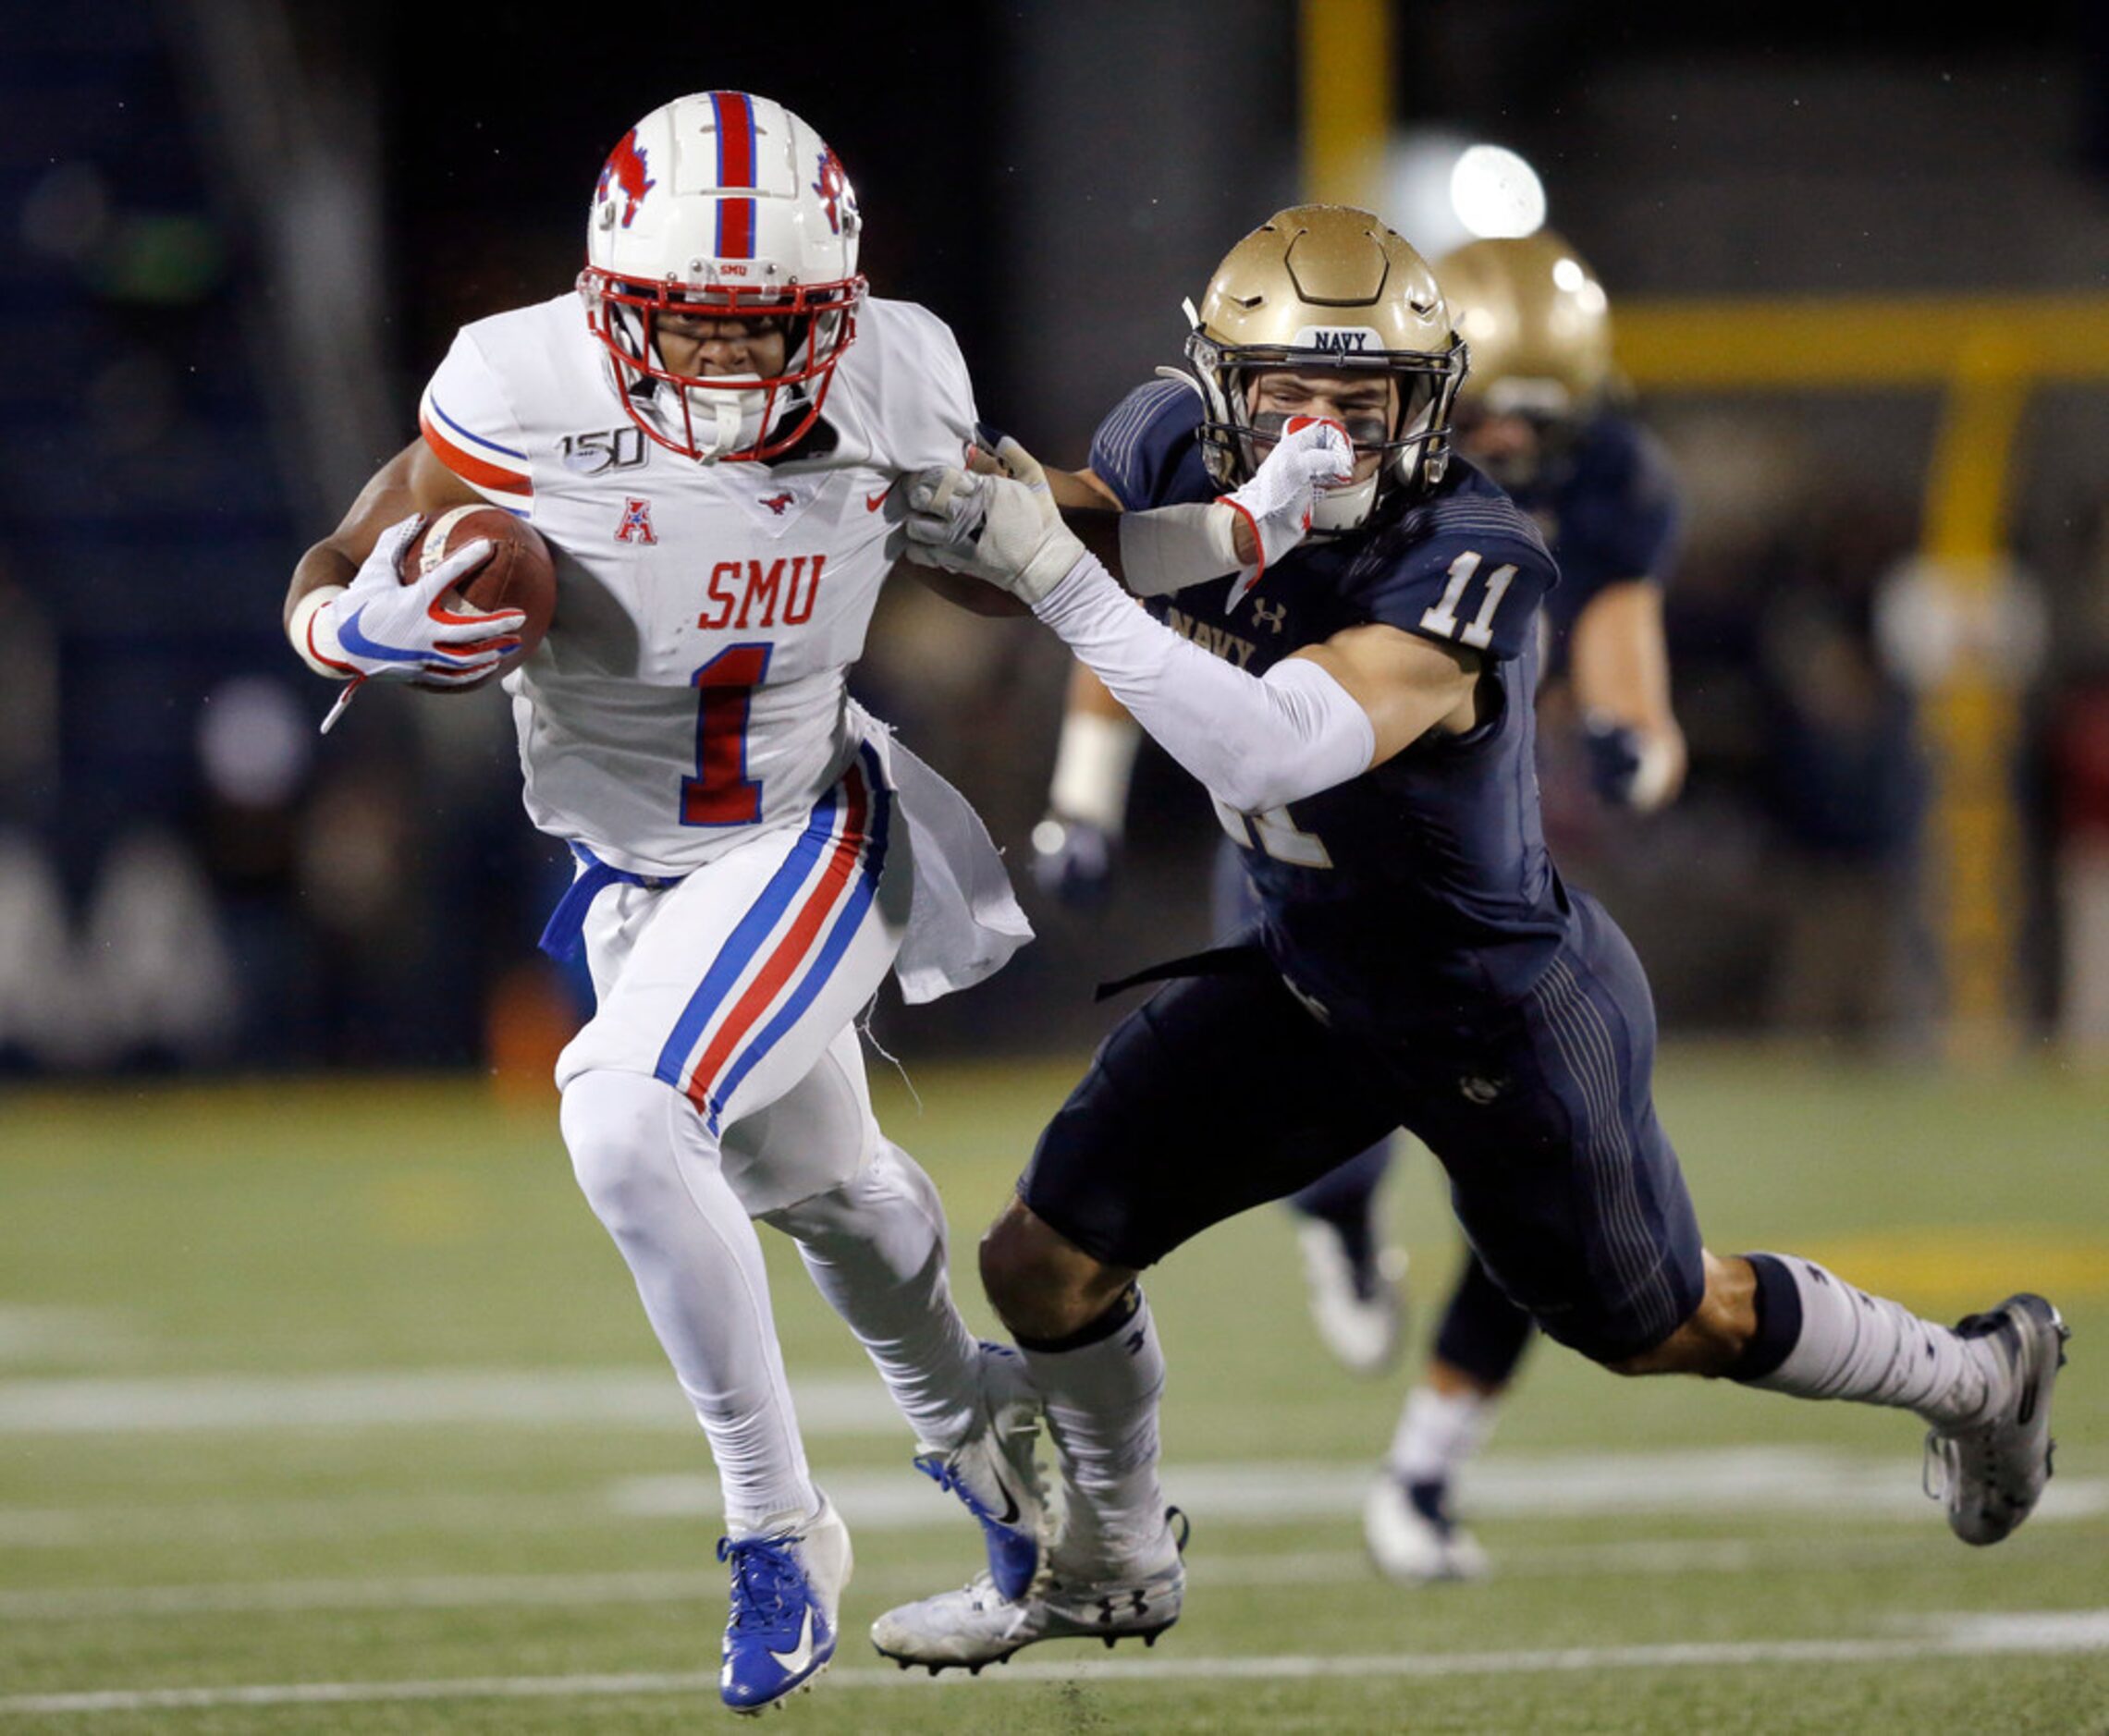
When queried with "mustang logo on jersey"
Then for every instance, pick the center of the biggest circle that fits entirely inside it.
(757, 588)
(636, 526)
(777, 504)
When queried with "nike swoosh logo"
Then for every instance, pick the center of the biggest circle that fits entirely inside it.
(874, 502)
(1010, 1514)
(350, 636)
(801, 1655)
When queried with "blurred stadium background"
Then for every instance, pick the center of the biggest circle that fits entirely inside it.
(1859, 269)
(1858, 275)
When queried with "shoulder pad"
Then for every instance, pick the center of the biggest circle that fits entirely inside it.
(1138, 446)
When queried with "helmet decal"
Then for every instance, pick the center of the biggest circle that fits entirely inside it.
(628, 170)
(832, 189)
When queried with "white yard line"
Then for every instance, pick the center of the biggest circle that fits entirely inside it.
(1954, 1637)
(1710, 1482)
(599, 1398)
(1706, 1483)
(1308, 1567)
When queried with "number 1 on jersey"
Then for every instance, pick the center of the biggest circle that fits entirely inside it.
(721, 793)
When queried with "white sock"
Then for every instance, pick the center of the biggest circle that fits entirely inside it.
(1852, 1345)
(651, 1170)
(876, 1250)
(1101, 1403)
(1437, 1432)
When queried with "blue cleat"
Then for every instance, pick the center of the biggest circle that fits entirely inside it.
(787, 1588)
(995, 1475)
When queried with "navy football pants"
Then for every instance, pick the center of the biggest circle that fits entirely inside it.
(1223, 1092)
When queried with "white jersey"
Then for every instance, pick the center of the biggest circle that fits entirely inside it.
(691, 690)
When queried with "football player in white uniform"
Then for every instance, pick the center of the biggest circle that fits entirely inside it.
(708, 445)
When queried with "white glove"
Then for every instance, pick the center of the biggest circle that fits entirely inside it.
(1312, 454)
(381, 627)
(1005, 531)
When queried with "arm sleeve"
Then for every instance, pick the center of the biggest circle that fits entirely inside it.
(1254, 741)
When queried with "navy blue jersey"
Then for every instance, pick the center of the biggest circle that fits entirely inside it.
(1409, 894)
(1610, 511)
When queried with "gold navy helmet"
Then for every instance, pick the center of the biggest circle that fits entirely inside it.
(1327, 286)
(1537, 321)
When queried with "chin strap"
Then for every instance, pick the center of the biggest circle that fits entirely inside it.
(721, 420)
(726, 411)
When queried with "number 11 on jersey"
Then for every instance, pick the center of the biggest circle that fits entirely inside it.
(721, 793)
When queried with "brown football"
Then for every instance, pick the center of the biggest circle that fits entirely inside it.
(519, 573)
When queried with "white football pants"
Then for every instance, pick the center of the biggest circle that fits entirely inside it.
(720, 1080)
(875, 1246)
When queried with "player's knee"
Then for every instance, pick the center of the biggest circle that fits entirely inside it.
(1040, 1283)
(1713, 1338)
(615, 1131)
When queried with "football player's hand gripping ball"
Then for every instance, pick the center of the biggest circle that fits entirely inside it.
(1006, 531)
(387, 627)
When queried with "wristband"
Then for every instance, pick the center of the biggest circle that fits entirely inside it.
(1092, 769)
(1172, 547)
(315, 639)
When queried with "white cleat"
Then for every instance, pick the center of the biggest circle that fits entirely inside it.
(996, 1476)
(1992, 1474)
(1412, 1538)
(1355, 1307)
(975, 1627)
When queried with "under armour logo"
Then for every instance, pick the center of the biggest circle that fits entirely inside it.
(1274, 617)
(1111, 1607)
(1481, 1090)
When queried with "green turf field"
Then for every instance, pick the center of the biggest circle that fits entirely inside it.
(330, 1408)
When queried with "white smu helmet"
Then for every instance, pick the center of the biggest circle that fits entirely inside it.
(729, 207)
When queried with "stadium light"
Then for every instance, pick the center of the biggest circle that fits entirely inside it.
(1442, 190)
(1496, 192)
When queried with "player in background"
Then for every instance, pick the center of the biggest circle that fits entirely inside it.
(1538, 416)
(707, 434)
(1367, 739)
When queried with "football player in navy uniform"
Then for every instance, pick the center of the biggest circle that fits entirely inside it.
(1417, 961)
(1536, 415)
